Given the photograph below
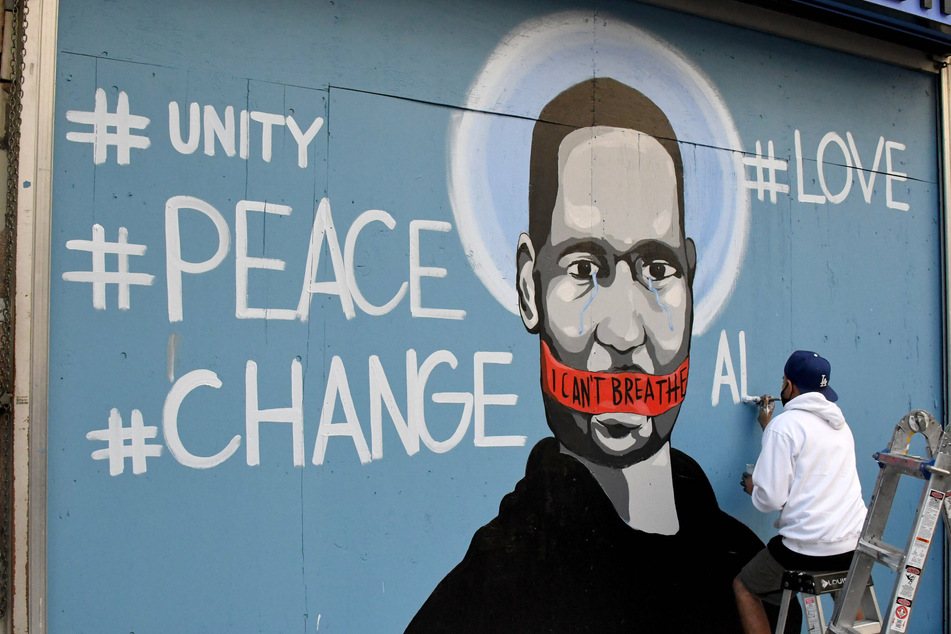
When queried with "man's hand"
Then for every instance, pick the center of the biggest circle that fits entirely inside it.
(766, 406)
(747, 483)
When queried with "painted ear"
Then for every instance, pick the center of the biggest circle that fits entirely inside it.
(691, 249)
(525, 283)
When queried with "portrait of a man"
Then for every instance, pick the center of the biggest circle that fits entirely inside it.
(611, 529)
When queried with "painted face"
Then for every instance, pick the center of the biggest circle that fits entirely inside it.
(614, 282)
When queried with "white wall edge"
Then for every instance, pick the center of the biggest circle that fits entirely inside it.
(32, 318)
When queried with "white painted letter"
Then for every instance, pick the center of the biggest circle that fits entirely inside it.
(337, 385)
(266, 120)
(800, 180)
(244, 134)
(324, 225)
(892, 175)
(866, 186)
(416, 272)
(832, 137)
(482, 399)
(242, 262)
(416, 396)
(174, 264)
(173, 402)
(381, 393)
(304, 139)
(255, 416)
(224, 132)
(721, 378)
(743, 383)
(363, 220)
(175, 128)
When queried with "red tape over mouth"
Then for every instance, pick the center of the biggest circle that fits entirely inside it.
(613, 392)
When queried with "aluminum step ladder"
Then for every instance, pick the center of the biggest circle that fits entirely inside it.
(810, 585)
(935, 470)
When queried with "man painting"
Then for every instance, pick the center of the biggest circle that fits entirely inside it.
(806, 471)
(611, 529)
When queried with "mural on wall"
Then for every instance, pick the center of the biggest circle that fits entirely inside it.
(605, 278)
(289, 313)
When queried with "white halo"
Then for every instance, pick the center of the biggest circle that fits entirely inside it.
(489, 153)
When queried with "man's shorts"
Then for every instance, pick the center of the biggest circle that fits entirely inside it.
(763, 574)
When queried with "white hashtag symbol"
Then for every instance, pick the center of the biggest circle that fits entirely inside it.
(101, 120)
(99, 276)
(118, 450)
(771, 165)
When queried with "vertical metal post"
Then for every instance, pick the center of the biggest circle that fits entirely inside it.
(944, 105)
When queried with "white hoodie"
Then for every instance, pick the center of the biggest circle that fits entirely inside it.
(806, 470)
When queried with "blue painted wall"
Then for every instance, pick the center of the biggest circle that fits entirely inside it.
(351, 547)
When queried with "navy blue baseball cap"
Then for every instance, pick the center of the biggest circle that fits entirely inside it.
(810, 373)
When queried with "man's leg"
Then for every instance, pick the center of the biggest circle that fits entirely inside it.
(752, 614)
(761, 579)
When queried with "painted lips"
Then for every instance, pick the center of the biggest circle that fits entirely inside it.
(613, 392)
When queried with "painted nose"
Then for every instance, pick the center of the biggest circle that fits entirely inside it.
(620, 324)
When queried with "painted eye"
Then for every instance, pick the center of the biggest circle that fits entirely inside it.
(658, 270)
(583, 269)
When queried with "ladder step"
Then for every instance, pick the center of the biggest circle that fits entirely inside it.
(868, 627)
(860, 627)
(909, 465)
(883, 553)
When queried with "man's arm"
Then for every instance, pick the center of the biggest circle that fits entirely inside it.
(766, 406)
(774, 472)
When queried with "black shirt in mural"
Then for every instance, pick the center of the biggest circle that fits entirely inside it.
(558, 558)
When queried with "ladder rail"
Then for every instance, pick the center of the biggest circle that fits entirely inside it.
(934, 505)
(860, 571)
(920, 539)
(848, 601)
